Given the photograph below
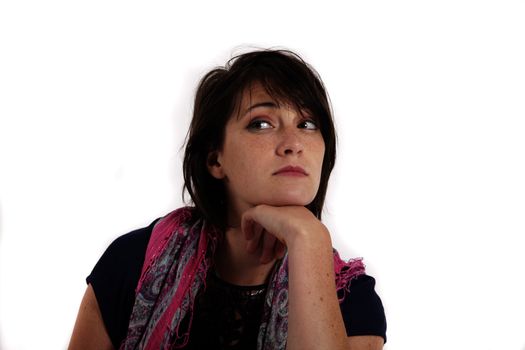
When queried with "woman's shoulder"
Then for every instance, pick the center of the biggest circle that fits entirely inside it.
(362, 309)
(125, 255)
(122, 261)
(133, 240)
(115, 277)
(130, 246)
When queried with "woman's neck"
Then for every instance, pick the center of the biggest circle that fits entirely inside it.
(235, 265)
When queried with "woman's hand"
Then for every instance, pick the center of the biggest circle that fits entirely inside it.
(314, 317)
(270, 230)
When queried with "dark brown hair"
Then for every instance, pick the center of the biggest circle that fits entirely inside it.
(286, 77)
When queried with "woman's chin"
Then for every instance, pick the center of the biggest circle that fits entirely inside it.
(281, 201)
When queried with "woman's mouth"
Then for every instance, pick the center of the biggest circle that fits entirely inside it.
(291, 171)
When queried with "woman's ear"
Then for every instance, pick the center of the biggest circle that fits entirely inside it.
(214, 165)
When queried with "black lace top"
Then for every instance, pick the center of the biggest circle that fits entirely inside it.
(227, 316)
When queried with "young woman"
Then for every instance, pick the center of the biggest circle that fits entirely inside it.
(249, 265)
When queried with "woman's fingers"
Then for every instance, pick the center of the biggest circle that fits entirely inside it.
(253, 233)
(266, 244)
(270, 218)
(279, 250)
(283, 225)
(262, 227)
(258, 240)
(267, 248)
(247, 227)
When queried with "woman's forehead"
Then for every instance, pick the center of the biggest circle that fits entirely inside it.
(256, 94)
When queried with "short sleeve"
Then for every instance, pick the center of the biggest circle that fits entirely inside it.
(115, 277)
(362, 309)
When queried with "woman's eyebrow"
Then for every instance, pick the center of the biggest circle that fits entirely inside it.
(268, 104)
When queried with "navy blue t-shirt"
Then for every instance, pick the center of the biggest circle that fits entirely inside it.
(116, 275)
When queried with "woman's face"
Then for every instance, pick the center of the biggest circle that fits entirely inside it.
(259, 144)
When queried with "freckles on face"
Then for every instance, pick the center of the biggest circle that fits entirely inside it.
(260, 143)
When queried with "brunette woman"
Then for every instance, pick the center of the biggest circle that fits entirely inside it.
(249, 265)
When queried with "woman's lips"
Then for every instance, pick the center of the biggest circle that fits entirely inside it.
(291, 171)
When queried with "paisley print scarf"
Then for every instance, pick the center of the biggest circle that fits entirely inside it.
(178, 256)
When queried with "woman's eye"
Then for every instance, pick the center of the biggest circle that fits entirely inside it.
(259, 124)
(308, 124)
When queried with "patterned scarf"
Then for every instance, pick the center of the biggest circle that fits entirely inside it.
(178, 256)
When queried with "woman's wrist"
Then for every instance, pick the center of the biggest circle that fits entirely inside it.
(313, 236)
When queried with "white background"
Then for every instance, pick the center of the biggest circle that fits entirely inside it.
(429, 101)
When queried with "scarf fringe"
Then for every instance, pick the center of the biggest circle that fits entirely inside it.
(345, 272)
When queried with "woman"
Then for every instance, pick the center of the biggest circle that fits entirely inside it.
(250, 264)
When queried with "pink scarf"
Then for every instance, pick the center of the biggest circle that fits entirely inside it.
(178, 256)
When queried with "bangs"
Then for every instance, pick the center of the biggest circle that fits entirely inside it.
(283, 92)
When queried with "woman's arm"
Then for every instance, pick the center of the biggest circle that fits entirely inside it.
(315, 320)
(365, 342)
(314, 316)
(89, 331)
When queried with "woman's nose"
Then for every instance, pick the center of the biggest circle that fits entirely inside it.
(290, 142)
